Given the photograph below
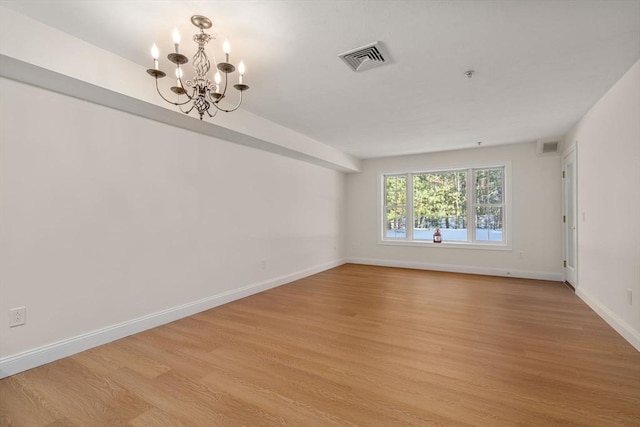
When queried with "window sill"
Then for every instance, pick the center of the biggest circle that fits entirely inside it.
(448, 245)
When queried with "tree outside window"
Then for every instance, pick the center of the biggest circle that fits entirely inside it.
(395, 195)
(440, 201)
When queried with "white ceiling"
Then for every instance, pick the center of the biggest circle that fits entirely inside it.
(540, 65)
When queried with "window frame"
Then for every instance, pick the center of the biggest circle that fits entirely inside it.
(471, 242)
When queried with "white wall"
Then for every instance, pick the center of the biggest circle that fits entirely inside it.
(536, 227)
(108, 218)
(608, 147)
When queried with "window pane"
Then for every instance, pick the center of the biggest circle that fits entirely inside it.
(439, 201)
(489, 224)
(489, 186)
(395, 223)
(395, 188)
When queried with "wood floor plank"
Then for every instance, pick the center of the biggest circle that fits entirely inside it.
(80, 396)
(354, 345)
(20, 406)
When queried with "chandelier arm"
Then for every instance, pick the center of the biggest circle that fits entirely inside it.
(215, 104)
(190, 98)
(211, 115)
(183, 111)
(211, 98)
(170, 102)
(224, 91)
(189, 110)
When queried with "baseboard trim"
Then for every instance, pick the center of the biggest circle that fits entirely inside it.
(539, 275)
(619, 325)
(20, 362)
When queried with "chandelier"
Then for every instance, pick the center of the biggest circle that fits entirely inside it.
(201, 94)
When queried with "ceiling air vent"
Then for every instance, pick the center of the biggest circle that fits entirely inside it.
(365, 57)
(551, 146)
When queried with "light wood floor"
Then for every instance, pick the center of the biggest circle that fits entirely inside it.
(355, 345)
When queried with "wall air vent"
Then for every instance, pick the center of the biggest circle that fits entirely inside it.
(365, 57)
(550, 146)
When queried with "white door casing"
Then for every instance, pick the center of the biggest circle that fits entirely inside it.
(570, 217)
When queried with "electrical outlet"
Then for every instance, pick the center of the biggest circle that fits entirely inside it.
(629, 296)
(17, 316)
(263, 264)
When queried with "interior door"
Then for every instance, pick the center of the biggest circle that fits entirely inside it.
(570, 218)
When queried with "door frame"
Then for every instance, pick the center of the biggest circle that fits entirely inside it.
(570, 273)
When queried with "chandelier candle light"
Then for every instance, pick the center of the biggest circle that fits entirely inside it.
(199, 91)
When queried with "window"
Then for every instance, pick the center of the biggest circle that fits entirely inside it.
(488, 204)
(395, 208)
(467, 205)
(440, 201)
